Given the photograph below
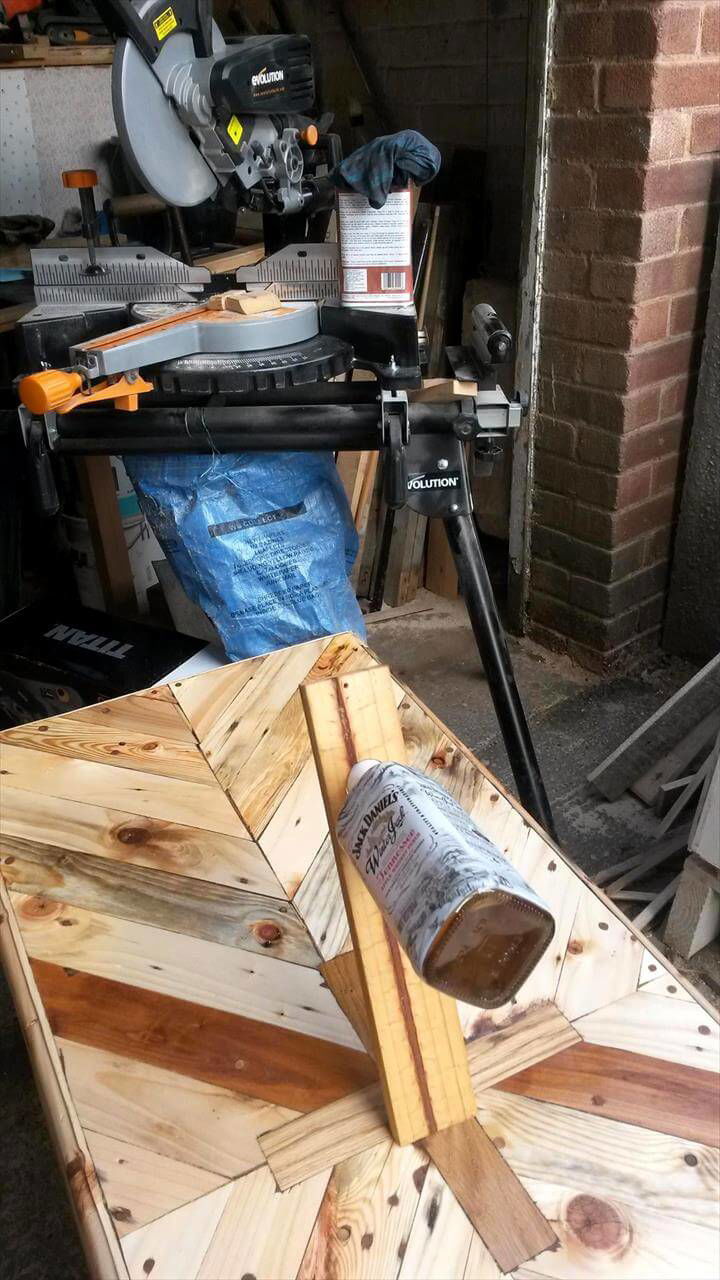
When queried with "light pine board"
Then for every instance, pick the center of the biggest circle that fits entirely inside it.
(211, 807)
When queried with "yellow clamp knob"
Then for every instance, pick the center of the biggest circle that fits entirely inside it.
(42, 392)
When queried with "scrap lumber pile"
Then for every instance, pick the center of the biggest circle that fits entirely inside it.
(672, 764)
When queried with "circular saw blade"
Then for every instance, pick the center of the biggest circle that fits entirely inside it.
(157, 144)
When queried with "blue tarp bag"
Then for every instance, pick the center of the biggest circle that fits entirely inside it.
(263, 542)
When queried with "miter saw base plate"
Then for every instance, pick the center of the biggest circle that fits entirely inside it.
(315, 360)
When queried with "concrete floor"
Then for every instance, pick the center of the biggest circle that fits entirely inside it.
(576, 719)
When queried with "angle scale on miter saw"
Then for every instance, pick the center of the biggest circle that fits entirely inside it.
(133, 353)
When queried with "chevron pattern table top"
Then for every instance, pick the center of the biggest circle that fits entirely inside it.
(175, 939)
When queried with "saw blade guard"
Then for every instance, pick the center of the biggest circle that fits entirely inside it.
(157, 143)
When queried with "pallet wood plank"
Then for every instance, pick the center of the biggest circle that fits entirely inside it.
(107, 785)
(263, 1061)
(640, 1023)
(602, 1157)
(422, 1058)
(647, 1092)
(441, 1234)
(501, 1211)
(284, 749)
(660, 732)
(157, 843)
(229, 731)
(173, 1247)
(601, 963)
(319, 902)
(613, 1240)
(99, 1240)
(677, 760)
(140, 1185)
(148, 713)
(317, 1141)
(193, 908)
(173, 1115)
(255, 986)
(72, 737)
(261, 1233)
(334, 1248)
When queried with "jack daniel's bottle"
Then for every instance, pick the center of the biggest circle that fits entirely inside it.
(467, 920)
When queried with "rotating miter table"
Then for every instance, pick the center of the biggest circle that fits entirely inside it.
(175, 939)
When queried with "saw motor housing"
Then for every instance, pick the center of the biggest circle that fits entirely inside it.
(194, 111)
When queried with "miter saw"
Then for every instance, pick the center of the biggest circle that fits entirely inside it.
(258, 368)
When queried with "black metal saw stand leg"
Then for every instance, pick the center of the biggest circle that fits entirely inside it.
(491, 641)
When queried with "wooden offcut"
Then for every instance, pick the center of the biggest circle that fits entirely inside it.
(416, 1031)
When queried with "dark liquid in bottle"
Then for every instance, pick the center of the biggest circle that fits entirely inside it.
(486, 949)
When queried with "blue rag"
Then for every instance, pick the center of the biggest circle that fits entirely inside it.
(387, 162)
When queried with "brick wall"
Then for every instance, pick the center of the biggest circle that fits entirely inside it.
(631, 221)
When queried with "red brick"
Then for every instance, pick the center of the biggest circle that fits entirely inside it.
(650, 443)
(604, 368)
(677, 397)
(565, 272)
(685, 84)
(651, 613)
(698, 225)
(601, 633)
(559, 359)
(651, 322)
(599, 448)
(665, 473)
(553, 509)
(684, 183)
(678, 28)
(610, 599)
(710, 40)
(655, 278)
(600, 137)
(658, 544)
(578, 229)
(549, 578)
(555, 436)
(627, 85)
(603, 409)
(638, 235)
(570, 186)
(705, 132)
(668, 136)
(584, 35)
(633, 486)
(601, 488)
(644, 517)
(665, 360)
(587, 321)
(637, 188)
(603, 564)
(687, 313)
(572, 87)
(653, 85)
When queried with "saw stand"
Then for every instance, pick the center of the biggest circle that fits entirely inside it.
(425, 465)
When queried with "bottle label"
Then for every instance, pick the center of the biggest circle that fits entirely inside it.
(420, 854)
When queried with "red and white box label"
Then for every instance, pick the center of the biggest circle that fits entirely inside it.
(376, 249)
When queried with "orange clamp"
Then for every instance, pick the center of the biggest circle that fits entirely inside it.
(58, 390)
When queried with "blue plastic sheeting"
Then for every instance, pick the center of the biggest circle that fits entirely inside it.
(263, 542)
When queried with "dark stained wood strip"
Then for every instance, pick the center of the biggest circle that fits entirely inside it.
(664, 1096)
(254, 1058)
(494, 1199)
